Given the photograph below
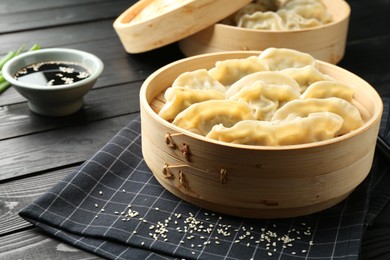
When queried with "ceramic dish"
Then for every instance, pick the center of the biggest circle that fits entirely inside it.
(54, 100)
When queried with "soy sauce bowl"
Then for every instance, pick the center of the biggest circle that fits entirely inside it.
(59, 99)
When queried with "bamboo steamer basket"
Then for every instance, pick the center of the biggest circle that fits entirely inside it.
(326, 42)
(169, 21)
(256, 181)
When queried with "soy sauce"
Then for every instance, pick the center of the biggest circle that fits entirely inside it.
(52, 73)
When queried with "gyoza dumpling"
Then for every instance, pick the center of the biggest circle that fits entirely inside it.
(268, 77)
(264, 99)
(198, 79)
(179, 98)
(309, 9)
(293, 21)
(281, 58)
(201, 117)
(261, 21)
(325, 89)
(304, 107)
(229, 71)
(258, 6)
(249, 132)
(316, 127)
(306, 76)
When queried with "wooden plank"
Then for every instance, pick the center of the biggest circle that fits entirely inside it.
(56, 37)
(67, 14)
(32, 244)
(58, 148)
(17, 194)
(369, 19)
(102, 42)
(12, 6)
(120, 67)
(370, 59)
(17, 120)
(364, 13)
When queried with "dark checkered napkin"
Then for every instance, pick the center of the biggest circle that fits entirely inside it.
(113, 206)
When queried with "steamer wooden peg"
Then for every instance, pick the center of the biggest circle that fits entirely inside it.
(223, 176)
(167, 172)
(185, 150)
(169, 141)
(183, 180)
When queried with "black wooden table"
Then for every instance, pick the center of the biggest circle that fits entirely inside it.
(36, 152)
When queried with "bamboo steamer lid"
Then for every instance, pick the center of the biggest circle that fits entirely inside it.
(150, 24)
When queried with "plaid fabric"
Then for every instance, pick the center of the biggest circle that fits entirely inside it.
(112, 206)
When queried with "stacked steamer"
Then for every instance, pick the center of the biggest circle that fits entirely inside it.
(275, 133)
(317, 27)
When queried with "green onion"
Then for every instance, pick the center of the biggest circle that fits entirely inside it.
(35, 47)
(21, 48)
(3, 83)
(6, 58)
(3, 86)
